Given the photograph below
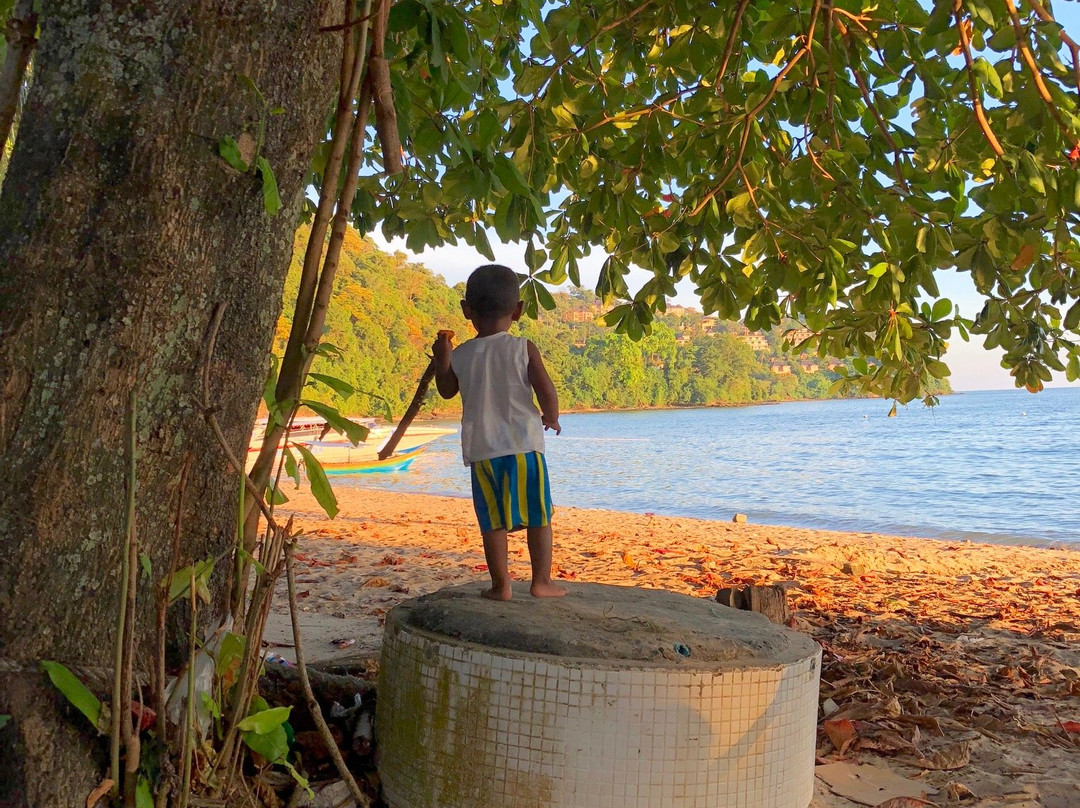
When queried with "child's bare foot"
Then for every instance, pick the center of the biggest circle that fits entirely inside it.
(500, 593)
(547, 590)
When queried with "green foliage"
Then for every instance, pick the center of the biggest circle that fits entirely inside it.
(801, 161)
(380, 332)
(75, 692)
(320, 486)
(197, 576)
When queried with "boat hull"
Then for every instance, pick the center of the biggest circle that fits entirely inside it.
(397, 462)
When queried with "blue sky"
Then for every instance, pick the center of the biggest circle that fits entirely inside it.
(973, 367)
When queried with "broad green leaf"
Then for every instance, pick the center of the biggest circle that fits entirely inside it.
(75, 692)
(740, 208)
(144, 797)
(291, 469)
(271, 199)
(230, 152)
(265, 721)
(273, 745)
(196, 575)
(339, 386)
(1072, 317)
(146, 564)
(320, 486)
(941, 309)
(4, 720)
(356, 433)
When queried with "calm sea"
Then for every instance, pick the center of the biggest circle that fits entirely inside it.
(999, 466)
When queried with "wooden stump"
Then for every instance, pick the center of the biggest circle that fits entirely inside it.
(770, 601)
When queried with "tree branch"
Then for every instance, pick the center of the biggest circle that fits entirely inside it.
(1046, 16)
(21, 27)
(764, 102)
(729, 46)
(1036, 74)
(973, 84)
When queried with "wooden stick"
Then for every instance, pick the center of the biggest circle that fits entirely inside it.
(414, 408)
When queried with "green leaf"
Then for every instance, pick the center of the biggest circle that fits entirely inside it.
(4, 720)
(1072, 373)
(230, 152)
(342, 388)
(74, 691)
(741, 209)
(271, 199)
(277, 496)
(320, 486)
(1072, 317)
(989, 76)
(196, 575)
(144, 797)
(146, 564)
(265, 721)
(273, 745)
(356, 433)
(291, 469)
(941, 309)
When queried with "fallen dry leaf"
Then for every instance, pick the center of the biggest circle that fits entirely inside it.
(948, 758)
(375, 582)
(99, 792)
(841, 733)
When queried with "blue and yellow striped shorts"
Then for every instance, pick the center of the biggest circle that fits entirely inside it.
(511, 492)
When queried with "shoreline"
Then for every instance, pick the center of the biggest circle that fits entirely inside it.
(973, 537)
(935, 652)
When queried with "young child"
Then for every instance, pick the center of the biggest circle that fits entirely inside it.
(502, 433)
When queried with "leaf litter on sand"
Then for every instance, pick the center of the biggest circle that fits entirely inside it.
(931, 649)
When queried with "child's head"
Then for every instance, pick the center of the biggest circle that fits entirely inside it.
(492, 292)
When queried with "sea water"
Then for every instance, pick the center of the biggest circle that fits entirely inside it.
(999, 466)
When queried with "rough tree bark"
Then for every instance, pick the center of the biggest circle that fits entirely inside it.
(120, 230)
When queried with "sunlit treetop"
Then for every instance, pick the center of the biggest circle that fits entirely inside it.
(814, 160)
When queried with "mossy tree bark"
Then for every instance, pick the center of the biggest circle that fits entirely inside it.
(120, 231)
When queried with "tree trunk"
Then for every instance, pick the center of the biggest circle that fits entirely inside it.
(120, 230)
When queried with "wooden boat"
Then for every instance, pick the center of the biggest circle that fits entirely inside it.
(396, 462)
(338, 456)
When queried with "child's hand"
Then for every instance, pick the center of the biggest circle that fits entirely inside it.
(551, 423)
(443, 347)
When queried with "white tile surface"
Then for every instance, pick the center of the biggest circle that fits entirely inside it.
(466, 727)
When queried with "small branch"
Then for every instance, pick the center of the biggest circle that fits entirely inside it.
(602, 30)
(1036, 74)
(162, 596)
(1046, 16)
(764, 102)
(973, 84)
(345, 26)
(21, 27)
(729, 46)
(313, 705)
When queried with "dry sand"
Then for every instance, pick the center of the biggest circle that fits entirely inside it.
(953, 664)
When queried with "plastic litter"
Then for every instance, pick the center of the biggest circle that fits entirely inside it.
(682, 650)
(278, 659)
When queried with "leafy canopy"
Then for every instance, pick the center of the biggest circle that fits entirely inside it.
(814, 160)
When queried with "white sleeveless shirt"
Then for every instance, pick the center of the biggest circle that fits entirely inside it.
(498, 414)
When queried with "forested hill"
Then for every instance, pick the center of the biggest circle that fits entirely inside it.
(386, 312)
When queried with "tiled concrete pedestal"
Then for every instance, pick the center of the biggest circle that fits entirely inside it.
(611, 697)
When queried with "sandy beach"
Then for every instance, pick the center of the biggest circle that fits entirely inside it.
(953, 665)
